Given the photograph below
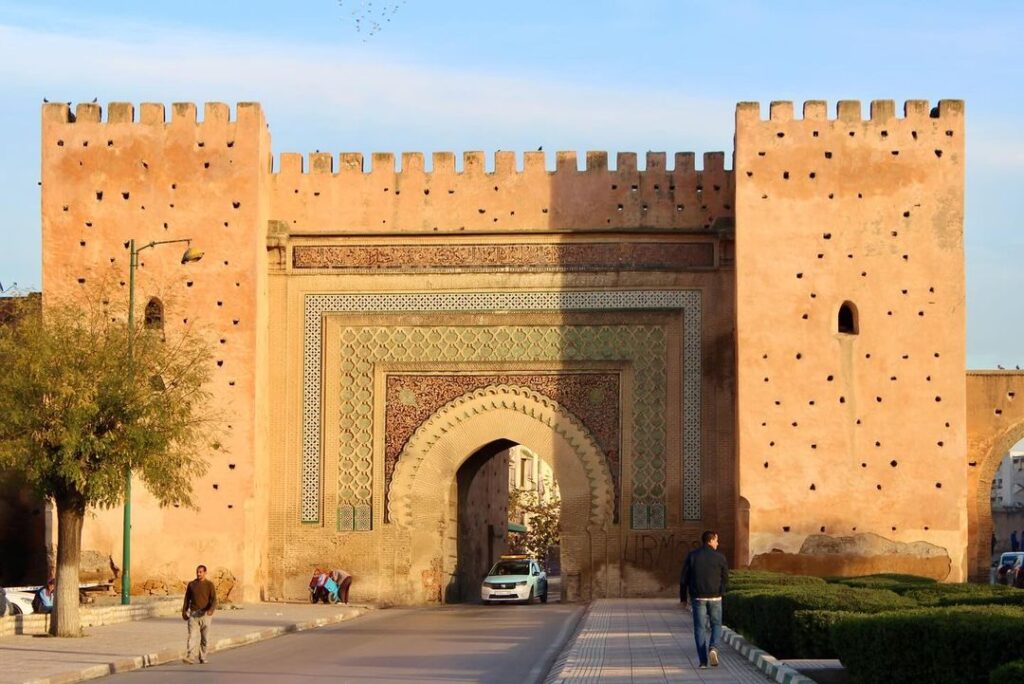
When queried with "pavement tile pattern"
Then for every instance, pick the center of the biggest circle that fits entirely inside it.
(643, 641)
(127, 646)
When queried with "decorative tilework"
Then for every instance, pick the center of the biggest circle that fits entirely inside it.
(634, 256)
(593, 398)
(356, 457)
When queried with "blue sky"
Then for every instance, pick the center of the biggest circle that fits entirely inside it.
(605, 74)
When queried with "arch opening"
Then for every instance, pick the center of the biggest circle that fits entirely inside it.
(507, 504)
(153, 319)
(1006, 511)
(424, 493)
(847, 322)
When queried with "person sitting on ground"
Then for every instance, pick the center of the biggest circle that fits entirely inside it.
(43, 601)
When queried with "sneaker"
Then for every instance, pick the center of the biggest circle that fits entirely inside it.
(188, 661)
(702, 666)
(203, 661)
(713, 657)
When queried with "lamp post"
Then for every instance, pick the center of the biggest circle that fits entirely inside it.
(189, 256)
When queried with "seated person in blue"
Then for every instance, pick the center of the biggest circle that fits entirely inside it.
(43, 601)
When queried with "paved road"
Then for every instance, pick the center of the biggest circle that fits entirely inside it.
(459, 643)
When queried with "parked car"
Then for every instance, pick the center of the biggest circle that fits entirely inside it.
(515, 578)
(1009, 565)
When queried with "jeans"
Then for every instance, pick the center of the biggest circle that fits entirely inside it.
(705, 611)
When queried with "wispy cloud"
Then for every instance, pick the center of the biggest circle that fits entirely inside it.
(339, 90)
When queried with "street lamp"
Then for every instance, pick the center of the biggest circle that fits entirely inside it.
(191, 254)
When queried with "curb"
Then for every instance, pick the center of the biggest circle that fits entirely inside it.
(561, 659)
(764, 661)
(176, 654)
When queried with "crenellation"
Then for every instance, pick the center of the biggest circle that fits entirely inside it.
(291, 164)
(625, 162)
(57, 112)
(474, 163)
(780, 111)
(848, 111)
(534, 163)
(216, 112)
(714, 163)
(597, 161)
(565, 162)
(815, 110)
(183, 113)
(350, 163)
(88, 112)
(382, 163)
(883, 111)
(152, 113)
(321, 162)
(412, 163)
(443, 163)
(656, 161)
(916, 109)
(120, 112)
(685, 163)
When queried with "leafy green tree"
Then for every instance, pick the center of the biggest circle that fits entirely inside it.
(541, 516)
(79, 412)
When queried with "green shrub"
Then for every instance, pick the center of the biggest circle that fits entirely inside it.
(955, 645)
(1010, 673)
(960, 594)
(765, 615)
(891, 581)
(744, 579)
(812, 632)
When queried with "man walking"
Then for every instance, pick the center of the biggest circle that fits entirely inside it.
(703, 581)
(200, 602)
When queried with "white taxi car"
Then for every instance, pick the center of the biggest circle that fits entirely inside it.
(515, 578)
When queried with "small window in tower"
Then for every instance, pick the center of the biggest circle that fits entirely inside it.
(847, 319)
(154, 319)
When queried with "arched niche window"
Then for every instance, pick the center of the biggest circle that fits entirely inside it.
(846, 321)
(154, 318)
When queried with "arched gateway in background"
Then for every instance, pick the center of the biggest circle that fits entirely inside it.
(679, 343)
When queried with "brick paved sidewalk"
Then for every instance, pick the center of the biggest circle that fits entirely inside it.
(644, 640)
(126, 646)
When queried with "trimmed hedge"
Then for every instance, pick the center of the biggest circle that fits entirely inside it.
(745, 579)
(955, 645)
(766, 615)
(891, 581)
(1010, 673)
(962, 594)
(812, 632)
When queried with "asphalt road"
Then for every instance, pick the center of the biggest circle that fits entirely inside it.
(458, 643)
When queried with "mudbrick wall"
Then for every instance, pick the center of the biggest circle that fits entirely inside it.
(837, 320)
(850, 326)
(147, 178)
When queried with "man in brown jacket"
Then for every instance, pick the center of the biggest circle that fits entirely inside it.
(200, 602)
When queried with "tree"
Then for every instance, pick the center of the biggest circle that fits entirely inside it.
(541, 515)
(78, 412)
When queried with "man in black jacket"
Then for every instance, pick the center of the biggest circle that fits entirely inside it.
(703, 580)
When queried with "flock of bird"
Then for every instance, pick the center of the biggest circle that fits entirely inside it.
(370, 18)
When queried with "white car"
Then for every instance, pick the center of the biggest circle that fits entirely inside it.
(515, 578)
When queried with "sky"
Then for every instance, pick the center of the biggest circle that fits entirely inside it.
(611, 75)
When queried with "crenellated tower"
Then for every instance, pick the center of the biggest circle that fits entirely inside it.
(851, 335)
(136, 175)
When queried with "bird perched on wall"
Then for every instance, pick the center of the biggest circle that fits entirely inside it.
(1000, 367)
